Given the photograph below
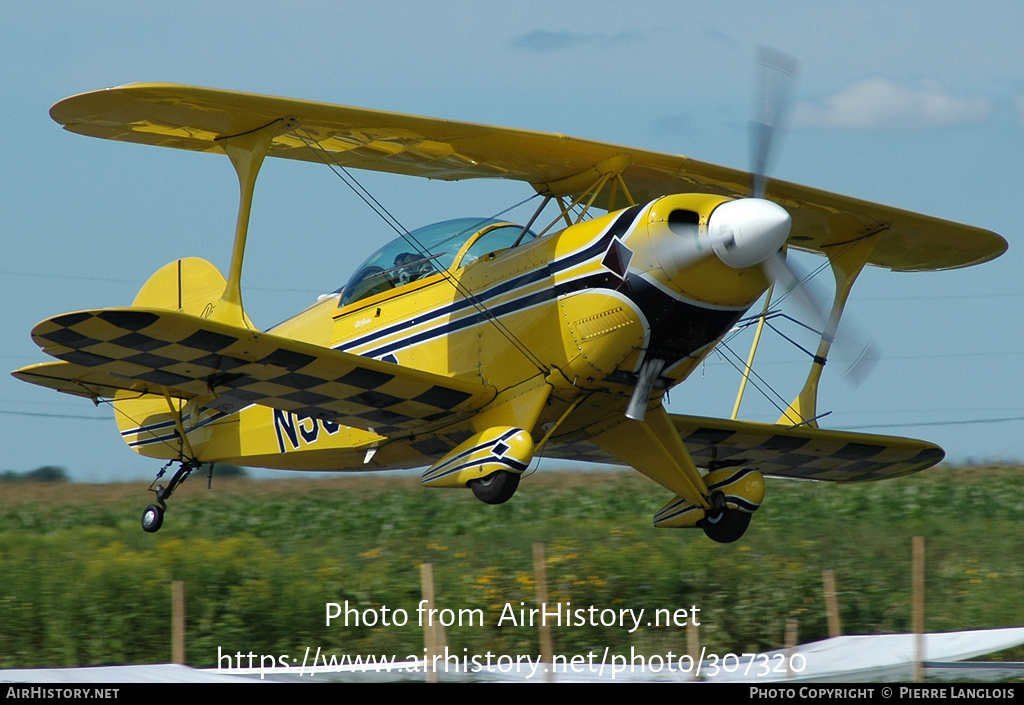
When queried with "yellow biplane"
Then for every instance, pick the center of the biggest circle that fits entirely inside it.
(474, 345)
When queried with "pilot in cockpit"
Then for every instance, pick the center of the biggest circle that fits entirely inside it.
(410, 267)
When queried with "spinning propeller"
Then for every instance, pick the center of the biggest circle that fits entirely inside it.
(752, 231)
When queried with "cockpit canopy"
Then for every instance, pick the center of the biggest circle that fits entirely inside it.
(430, 250)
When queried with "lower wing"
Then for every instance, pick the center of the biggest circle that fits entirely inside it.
(780, 451)
(157, 351)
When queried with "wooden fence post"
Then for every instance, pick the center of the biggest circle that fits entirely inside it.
(835, 628)
(541, 578)
(178, 622)
(791, 642)
(434, 639)
(918, 608)
(693, 645)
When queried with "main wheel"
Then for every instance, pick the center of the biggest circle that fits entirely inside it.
(152, 518)
(727, 526)
(496, 488)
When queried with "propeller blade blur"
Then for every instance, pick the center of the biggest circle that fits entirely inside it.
(776, 74)
(857, 353)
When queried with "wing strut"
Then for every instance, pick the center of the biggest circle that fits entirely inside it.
(186, 447)
(753, 351)
(587, 185)
(246, 152)
(847, 260)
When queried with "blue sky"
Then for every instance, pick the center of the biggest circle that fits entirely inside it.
(919, 105)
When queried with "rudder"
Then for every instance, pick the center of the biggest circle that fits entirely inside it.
(190, 285)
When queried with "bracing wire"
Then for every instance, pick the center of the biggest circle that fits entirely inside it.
(756, 380)
(377, 207)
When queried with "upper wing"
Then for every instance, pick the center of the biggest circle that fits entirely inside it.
(186, 117)
(150, 350)
(779, 451)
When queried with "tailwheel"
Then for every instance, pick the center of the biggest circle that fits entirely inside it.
(496, 488)
(152, 518)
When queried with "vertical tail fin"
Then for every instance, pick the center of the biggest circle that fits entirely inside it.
(190, 285)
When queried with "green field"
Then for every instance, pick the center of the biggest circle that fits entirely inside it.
(81, 583)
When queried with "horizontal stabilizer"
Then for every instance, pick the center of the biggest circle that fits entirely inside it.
(235, 367)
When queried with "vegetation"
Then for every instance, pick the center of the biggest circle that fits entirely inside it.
(47, 473)
(223, 471)
(81, 583)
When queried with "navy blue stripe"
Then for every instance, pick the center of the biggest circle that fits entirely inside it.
(505, 436)
(468, 321)
(620, 226)
(510, 463)
(743, 504)
(158, 439)
(149, 428)
(740, 473)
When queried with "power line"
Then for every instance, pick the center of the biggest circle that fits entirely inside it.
(962, 422)
(56, 416)
(115, 280)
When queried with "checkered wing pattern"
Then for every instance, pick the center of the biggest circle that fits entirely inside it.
(192, 356)
(803, 453)
(779, 451)
(82, 381)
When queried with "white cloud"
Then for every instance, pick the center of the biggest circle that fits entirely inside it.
(543, 40)
(878, 102)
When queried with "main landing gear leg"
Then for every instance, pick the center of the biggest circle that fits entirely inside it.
(153, 516)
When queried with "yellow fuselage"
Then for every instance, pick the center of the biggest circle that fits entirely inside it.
(553, 319)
